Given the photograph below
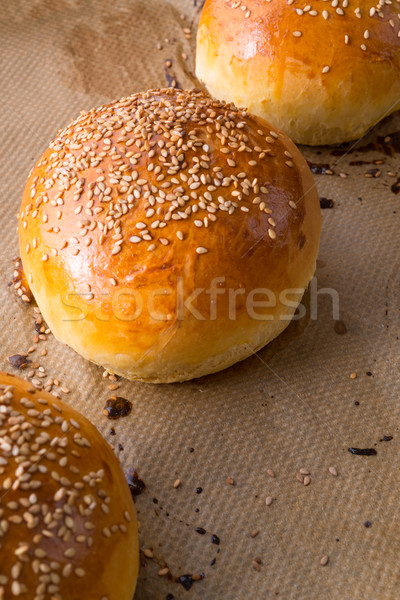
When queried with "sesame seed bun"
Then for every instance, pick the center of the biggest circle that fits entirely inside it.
(67, 522)
(148, 225)
(323, 73)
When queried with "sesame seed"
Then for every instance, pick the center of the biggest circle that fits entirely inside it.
(268, 500)
(201, 250)
(326, 69)
(333, 471)
(324, 560)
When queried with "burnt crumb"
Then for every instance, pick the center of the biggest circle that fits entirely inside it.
(395, 188)
(200, 530)
(169, 597)
(215, 540)
(19, 361)
(326, 202)
(112, 431)
(357, 403)
(369, 373)
(155, 501)
(363, 451)
(188, 580)
(120, 448)
(191, 450)
(373, 173)
(340, 327)
(117, 407)
(199, 490)
(386, 438)
(136, 485)
(367, 524)
(320, 168)
(212, 563)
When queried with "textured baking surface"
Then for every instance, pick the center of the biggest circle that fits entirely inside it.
(293, 406)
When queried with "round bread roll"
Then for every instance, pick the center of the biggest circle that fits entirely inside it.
(323, 72)
(150, 225)
(68, 527)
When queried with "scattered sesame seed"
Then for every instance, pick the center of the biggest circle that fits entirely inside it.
(324, 560)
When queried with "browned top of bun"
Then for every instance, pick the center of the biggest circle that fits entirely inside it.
(163, 185)
(335, 34)
(67, 522)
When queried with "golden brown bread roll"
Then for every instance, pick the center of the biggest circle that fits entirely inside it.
(322, 72)
(68, 526)
(148, 225)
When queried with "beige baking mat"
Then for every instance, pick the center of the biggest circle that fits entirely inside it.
(293, 406)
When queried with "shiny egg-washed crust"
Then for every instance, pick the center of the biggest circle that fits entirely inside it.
(138, 206)
(68, 526)
(324, 75)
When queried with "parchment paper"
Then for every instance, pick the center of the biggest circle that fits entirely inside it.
(293, 406)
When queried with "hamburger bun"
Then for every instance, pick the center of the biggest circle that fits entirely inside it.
(160, 232)
(323, 72)
(68, 527)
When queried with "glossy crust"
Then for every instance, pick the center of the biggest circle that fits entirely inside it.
(68, 526)
(198, 191)
(323, 76)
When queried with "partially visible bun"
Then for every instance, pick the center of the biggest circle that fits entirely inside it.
(68, 526)
(323, 72)
(151, 224)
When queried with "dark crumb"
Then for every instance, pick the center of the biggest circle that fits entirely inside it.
(200, 530)
(188, 580)
(19, 361)
(136, 485)
(112, 431)
(169, 597)
(199, 490)
(357, 403)
(369, 373)
(386, 438)
(326, 202)
(340, 327)
(363, 451)
(212, 563)
(117, 407)
(373, 173)
(120, 447)
(367, 524)
(215, 540)
(320, 169)
(191, 450)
